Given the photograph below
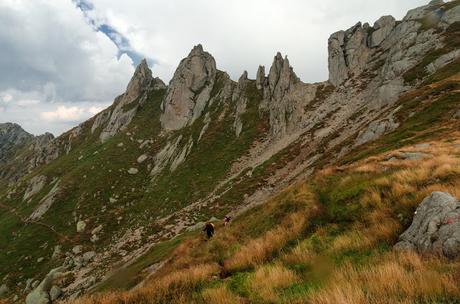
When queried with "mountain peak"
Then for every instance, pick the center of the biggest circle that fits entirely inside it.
(197, 49)
(189, 90)
(281, 76)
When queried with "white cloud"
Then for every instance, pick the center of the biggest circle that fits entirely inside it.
(52, 56)
(6, 98)
(63, 113)
(95, 110)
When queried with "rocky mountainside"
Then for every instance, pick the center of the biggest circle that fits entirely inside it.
(15, 145)
(163, 159)
(12, 138)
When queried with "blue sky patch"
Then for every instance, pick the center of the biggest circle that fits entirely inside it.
(121, 42)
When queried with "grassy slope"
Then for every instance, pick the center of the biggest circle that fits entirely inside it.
(329, 239)
(93, 172)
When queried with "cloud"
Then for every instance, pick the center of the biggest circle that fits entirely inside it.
(99, 23)
(64, 113)
(70, 114)
(50, 55)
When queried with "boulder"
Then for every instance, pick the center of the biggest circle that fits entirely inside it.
(435, 227)
(57, 252)
(55, 293)
(81, 225)
(142, 158)
(88, 256)
(414, 155)
(133, 171)
(97, 230)
(41, 294)
(77, 249)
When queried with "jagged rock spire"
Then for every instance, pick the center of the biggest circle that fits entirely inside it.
(280, 77)
(189, 90)
(116, 119)
(260, 78)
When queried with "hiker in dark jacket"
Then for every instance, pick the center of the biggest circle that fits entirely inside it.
(209, 229)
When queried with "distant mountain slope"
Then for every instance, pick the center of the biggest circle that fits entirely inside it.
(16, 146)
(163, 159)
(12, 138)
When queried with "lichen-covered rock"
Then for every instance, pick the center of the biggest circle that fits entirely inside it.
(189, 90)
(435, 227)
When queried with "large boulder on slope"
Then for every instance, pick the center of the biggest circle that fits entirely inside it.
(435, 227)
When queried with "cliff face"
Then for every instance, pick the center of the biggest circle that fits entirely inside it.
(189, 90)
(12, 137)
(162, 159)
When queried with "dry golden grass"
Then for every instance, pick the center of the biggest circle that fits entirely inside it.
(261, 249)
(300, 254)
(172, 288)
(219, 295)
(399, 277)
(362, 237)
(268, 279)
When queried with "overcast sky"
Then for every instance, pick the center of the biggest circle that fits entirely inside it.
(62, 61)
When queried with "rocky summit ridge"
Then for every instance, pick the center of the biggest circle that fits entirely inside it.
(163, 159)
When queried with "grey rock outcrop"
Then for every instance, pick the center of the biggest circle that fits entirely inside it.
(45, 203)
(435, 227)
(375, 130)
(118, 117)
(281, 77)
(281, 96)
(41, 294)
(81, 226)
(348, 53)
(35, 185)
(260, 79)
(55, 293)
(189, 90)
(382, 29)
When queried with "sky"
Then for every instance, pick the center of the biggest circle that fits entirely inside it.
(63, 61)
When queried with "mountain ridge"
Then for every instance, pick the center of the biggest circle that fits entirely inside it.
(163, 159)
